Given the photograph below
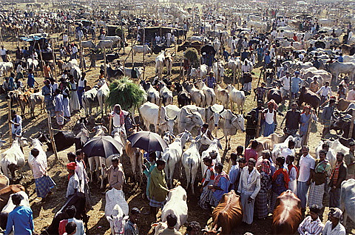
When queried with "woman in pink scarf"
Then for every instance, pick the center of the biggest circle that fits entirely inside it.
(220, 185)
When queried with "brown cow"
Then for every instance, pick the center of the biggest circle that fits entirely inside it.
(7, 191)
(288, 215)
(343, 105)
(227, 215)
(267, 143)
(4, 181)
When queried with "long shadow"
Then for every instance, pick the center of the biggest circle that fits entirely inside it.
(100, 227)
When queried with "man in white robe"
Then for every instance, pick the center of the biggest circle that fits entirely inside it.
(249, 187)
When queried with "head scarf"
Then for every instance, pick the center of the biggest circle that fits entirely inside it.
(265, 166)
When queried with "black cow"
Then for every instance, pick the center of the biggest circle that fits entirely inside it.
(274, 94)
(342, 127)
(114, 73)
(112, 57)
(309, 97)
(62, 140)
(158, 48)
(197, 45)
(78, 200)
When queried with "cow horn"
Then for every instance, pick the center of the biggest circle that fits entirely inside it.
(166, 119)
(175, 118)
(220, 138)
(221, 111)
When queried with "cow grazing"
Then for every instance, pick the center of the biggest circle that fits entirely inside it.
(347, 200)
(228, 214)
(287, 215)
(236, 96)
(116, 210)
(191, 160)
(309, 97)
(12, 159)
(172, 155)
(177, 205)
(102, 94)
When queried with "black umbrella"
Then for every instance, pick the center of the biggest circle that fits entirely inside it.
(103, 146)
(147, 141)
(208, 49)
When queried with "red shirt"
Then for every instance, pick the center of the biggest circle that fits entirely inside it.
(250, 153)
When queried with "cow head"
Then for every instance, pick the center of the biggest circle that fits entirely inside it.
(117, 220)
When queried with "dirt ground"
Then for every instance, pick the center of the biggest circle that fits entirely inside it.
(44, 212)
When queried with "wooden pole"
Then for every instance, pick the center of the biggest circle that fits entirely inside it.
(143, 52)
(258, 125)
(54, 61)
(105, 62)
(234, 71)
(351, 125)
(41, 56)
(159, 111)
(10, 129)
(52, 136)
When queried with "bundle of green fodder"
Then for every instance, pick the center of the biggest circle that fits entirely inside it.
(192, 56)
(126, 93)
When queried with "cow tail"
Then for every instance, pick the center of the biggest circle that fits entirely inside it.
(190, 167)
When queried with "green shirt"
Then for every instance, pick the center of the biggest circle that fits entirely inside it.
(158, 188)
(349, 158)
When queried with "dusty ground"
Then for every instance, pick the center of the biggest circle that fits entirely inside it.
(44, 212)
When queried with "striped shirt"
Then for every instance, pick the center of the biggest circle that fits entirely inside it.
(309, 226)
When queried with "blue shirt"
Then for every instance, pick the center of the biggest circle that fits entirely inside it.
(278, 186)
(31, 80)
(224, 185)
(22, 220)
(267, 59)
(295, 84)
(210, 81)
(340, 59)
(233, 175)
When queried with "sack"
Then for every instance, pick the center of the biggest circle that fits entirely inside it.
(314, 127)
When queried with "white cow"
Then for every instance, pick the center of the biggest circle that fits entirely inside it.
(337, 68)
(218, 70)
(152, 94)
(165, 94)
(12, 159)
(159, 64)
(10, 206)
(347, 199)
(141, 49)
(177, 205)
(214, 146)
(191, 118)
(234, 64)
(230, 123)
(32, 63)
(116, 210)
(236, 96)
(105, 44)
(5, 67)
(70, 64)
(278, 149)
(216, 45)
(331, 154)
(222, 95)
(89, 99)
(173, 111)
(36, 98)
(114, 39)
(208, 92)
(197, 96)
(200, 72)
(102, 94)
(172, 155)
(150, 113)
(36, 144)
(190, 161)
